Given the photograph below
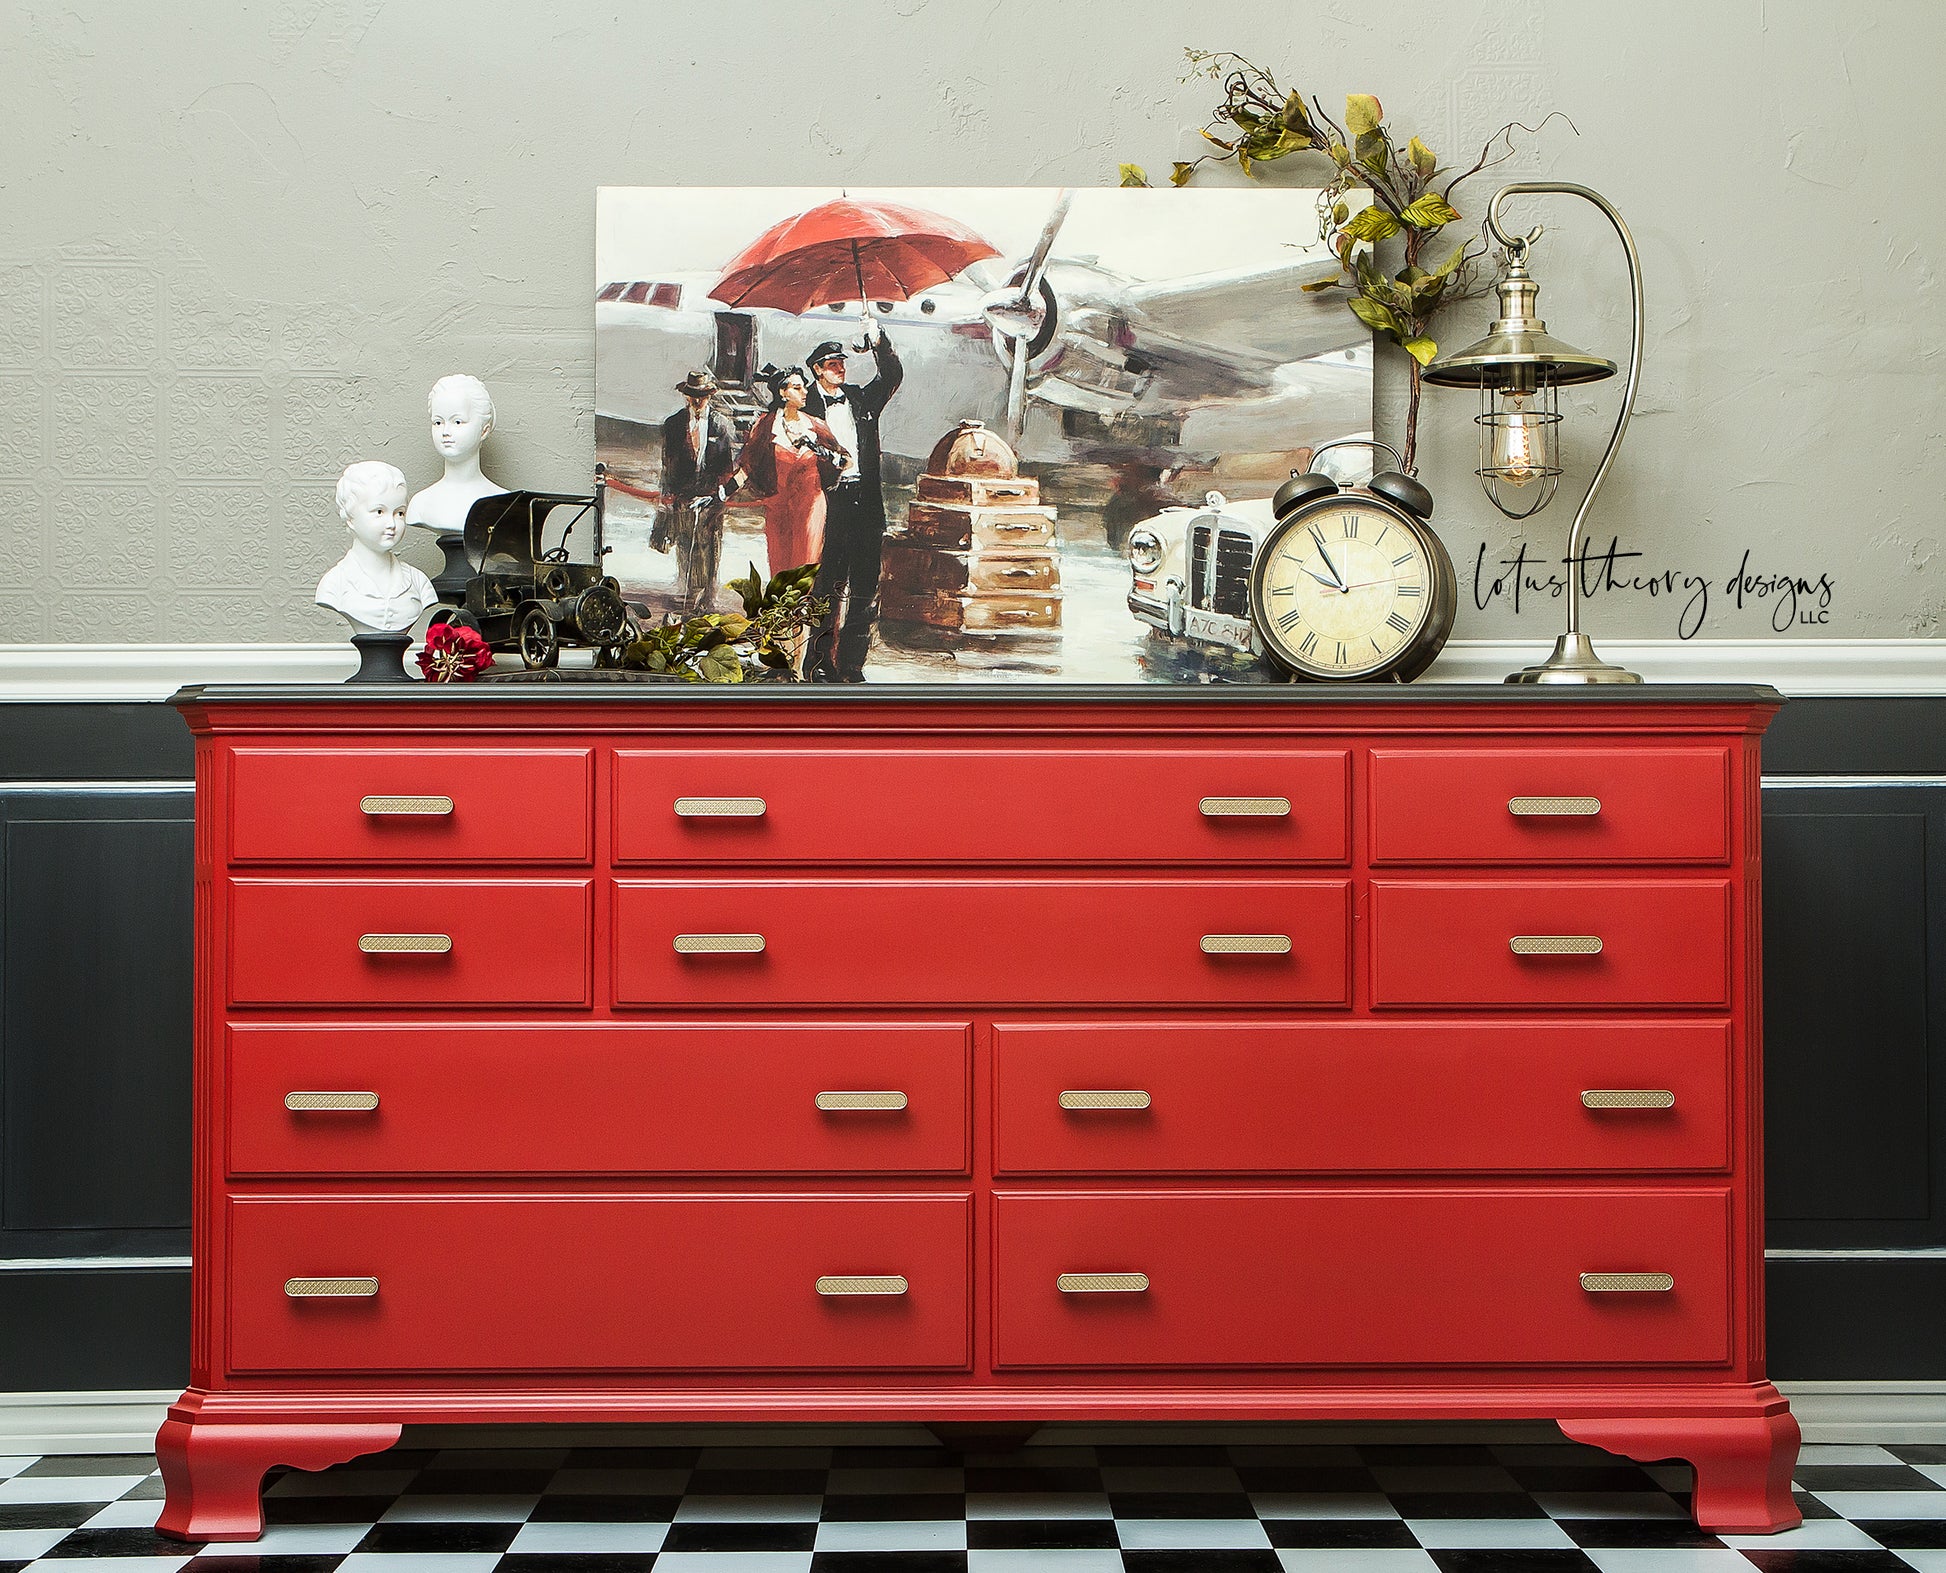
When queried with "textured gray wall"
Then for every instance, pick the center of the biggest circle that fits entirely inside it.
(238, 242)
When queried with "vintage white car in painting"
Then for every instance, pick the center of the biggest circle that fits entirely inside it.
(1190, 570)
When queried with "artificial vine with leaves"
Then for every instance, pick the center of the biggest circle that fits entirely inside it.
(1412, 200)
(722, 647)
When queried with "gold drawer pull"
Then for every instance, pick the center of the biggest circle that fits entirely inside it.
(1104, 1100)
(1628, 1098)
(844, 1284)
(385, 807)
(719, 944)
(719, 808)
(1553, 807)
(1103, 1283)
(1627, 1283)
(1246, 944)
(1555, 944)
(330, 1288)
(860, 1100)
(331, 1100)
(405, 944)
(1245, 807)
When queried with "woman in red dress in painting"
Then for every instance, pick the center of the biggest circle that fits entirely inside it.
(788, 460)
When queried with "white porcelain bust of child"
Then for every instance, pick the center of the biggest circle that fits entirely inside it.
(369, 587)
(462, 415)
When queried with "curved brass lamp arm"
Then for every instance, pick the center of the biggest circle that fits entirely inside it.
(1519, 243)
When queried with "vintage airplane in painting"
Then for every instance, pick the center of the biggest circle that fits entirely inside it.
(1067, 354)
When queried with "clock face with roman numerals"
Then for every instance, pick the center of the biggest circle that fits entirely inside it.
(1348, 587)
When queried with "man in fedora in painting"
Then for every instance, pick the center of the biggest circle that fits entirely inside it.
(698, 474)
(854, 521)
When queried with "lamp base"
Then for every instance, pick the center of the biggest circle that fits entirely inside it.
(1574, 661)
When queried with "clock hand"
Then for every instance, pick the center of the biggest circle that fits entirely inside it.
(1338, 579)
(1327, 583)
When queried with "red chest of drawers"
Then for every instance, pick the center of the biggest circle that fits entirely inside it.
(625, 1054)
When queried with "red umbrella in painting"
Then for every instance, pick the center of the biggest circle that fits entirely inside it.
(846, 250)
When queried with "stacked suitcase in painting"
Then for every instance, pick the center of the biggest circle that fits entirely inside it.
(976, 552)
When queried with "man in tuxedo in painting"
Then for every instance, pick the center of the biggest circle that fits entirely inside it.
(698, 474)
(854, 522)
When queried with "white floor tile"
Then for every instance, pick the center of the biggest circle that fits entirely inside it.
(1036, 1504)
(126, 1515)
(460, 1510)
(1191, 1534)
(9, 1467)
(1094, 1559)
(1322, 1504)
(893, 1482)
(729, 1562)
(67, 1488)
(1608, 1504)
(565, 1537)
(294, 1540)
(750, 1510)
(1359, 1559)
(1853, 1453)
(23, 1545)
(1926, 1561)
(1814, 1534)
(415, 1562)
(1668, 1559)
(1455, 1534)
(342, 1483)
(1883, 1504)
(617, 1482)
(892, 1535)
(1932, 1471)
(127, 1564)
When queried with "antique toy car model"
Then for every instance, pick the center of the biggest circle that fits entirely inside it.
(1190, 570)
(538, 580)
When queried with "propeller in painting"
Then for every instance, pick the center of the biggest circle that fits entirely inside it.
(1022, 316)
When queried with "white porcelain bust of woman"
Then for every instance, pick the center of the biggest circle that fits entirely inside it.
(462, 415)
(369, 587)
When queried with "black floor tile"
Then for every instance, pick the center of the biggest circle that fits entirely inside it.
(88, 1464)
(150, 1490)
(889, 1562)
(631, 1458)
(1662, 1534)
(1339, 1534)
(47, 1515)
(439, 1537)
(1398, 1454)
(895, 1458)
(757, 1482)
(741, 1536)
(1201, 1562)
(1014, 1477)
(605, 1508)
(1305, 1477)
(1161, 1457)
(1180, 1504)
(1907, 1534)
(121, 1543)
(325, 1510)
(1529, 1559)
(479, 1482)
(1581, 1477)
(895, 1507)
(1919, 1452)
(572, 1562)
(1828, 1561)
(1868, 1477)
(278, 1564)
(1039, 1534)
(1807, 1504)
(1465, 1504)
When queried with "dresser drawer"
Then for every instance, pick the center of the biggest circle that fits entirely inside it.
(1367, 1278)
(994, 941)
(1365, 1097)
(1550, 805)
(529, 1283)
(1550, 942)
(964, 805)
(411, 805)
(727, 1098)
(409, 942)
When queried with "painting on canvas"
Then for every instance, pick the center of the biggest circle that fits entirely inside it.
(993, 417)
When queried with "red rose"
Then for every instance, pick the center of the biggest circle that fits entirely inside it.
(453, 653)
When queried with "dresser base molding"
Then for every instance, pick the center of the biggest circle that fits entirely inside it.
(215, 1448)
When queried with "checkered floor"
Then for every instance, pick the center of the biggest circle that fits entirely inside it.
(1038, 1509)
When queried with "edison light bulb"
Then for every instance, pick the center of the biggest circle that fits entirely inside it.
(1517, 437)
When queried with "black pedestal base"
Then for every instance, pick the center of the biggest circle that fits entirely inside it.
(455, 572)
(381, 658)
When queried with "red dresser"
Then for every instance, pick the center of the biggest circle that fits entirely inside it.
(624, 1053)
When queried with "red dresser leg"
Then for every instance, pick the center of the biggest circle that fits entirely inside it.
(214, 1473)
(1743, 1464)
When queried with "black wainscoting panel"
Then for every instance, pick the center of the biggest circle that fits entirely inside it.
(1858, 737)
(71, 1331)
(1857, 1320)
(1848, 1058)
(106, 742)
(95, 972)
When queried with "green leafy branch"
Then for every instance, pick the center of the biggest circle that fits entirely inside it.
(723, 647)
(1258, 122)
